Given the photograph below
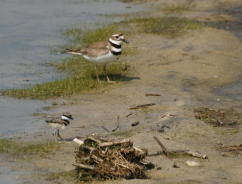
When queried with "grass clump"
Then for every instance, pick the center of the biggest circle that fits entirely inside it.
(179, 8)
(78, 37)
(166, 26)
(24, 148)
(81, 78)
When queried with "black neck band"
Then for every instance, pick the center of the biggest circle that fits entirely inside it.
(114, 45)
(116, 53)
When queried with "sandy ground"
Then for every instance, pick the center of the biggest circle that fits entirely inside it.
(185, 71)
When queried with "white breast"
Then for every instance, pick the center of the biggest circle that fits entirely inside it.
(101, 59)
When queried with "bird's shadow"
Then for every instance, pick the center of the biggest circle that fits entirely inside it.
(118, 77)
(69, 139)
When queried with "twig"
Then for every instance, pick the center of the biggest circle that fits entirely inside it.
(142, 106)
(186, 152)
(107, 144)
(84, 166)
(231, 148)
(152, 94)
(117, 125)
(129, 114)
(135, 123)
(162, 146)
(106, 129)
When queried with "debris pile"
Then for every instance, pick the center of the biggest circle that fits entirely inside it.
(103, 158)
(220, 117)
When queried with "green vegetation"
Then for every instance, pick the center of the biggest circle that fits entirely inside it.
(25, 148)
(78, 38)
(179, 8)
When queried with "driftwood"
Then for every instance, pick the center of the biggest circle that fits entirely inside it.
(130, 114)
(162, 146)
(84, 166)
(117, 127)
(176, 152)
(152, 94)
(103, 158)
(231, 148)
(180, 152)
(135, 123)
(114, 143)
(142, 106)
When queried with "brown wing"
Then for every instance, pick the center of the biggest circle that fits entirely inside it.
(98, 45)
(94, 52)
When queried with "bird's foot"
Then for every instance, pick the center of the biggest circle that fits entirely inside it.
(110, 81)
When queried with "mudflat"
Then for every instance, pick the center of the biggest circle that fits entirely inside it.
(184, 71)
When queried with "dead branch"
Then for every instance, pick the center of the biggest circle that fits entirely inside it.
(152, 94)
(117, 127)
(231, 148)
(129, 114)
(162, 146)
(122, 142)
(106, 129)
(184, 152)
(135, 123)
(142, 106)
(88, 167)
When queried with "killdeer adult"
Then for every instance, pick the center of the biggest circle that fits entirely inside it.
(102, 52)
(59, 123)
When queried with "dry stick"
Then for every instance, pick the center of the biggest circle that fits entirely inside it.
(107, 144)
(129, 114)
(117, 125)
(142, 106)
(152, 94)
(162, 146)
(84, 166)
(231, 148)
(106, 129)
(187, 152)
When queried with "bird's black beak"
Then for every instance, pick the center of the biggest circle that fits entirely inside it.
(126, 41)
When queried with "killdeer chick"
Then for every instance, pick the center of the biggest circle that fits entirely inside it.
(59, 123)
(102, 52)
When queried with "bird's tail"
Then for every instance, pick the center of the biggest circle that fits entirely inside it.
(72, 51)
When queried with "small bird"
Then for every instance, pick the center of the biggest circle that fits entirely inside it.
(102, 52)
(59, 123)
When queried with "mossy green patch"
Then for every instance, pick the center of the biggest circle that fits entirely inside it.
(13, 147)
(179, 7)
(78, 37)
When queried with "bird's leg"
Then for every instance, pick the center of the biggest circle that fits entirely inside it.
(106, 73)
(97, 75)
(58, 134)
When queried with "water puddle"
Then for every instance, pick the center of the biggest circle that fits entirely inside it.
(234, 90)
